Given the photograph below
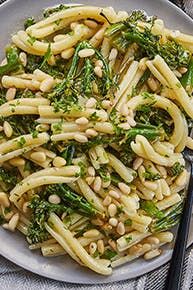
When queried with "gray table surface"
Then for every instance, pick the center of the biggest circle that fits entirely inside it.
(12, 277)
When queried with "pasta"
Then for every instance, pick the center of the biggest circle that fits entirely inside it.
(95, 110)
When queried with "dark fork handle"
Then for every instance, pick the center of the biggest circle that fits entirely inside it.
(173, 279)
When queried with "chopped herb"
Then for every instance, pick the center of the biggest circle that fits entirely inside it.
(21, 142)
(128, 239)
(128, 222)
(149, 175)
(109, 254)
(29, 22)
(31, 40)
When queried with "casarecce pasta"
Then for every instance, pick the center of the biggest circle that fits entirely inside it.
(95, 110)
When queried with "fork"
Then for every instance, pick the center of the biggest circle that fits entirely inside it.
(173, 280)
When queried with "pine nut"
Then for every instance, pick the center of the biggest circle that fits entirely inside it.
(23, 58)
(100, 246)
(150, 185)
(4, 200)
(165, 237)
(90, 179)
(67, 53)
(113, 222)
(113, 54)
(51, 60)
(124, 111)
(131, 121)
(91, 233)
(17, 161)
(141, 171)
(99, 63)
(91, 171)
(59, 161)
(121, 228)
(63, 215)
(95, 87)
(91, 103)
(91, 133)
(80, 138)
(137, 163)
(177, 73)
(54, 198)
(97, 222)
(152, 84)
(98, 71)
(124, 126)
(6, 226)
(92, 248)
(189, 143)
(73, 25)
(8, 215)
(1, 128)
(182, 178)
(42, 127)
(105, 184)
(136, 249)
(106, 104)
(91, 24)
(182, 70)
(13, 222)
(107, 200)
(10, 94)
(112, 209)
(97, 184)
(124, 188)
(112, 244)
(38, 156)
(153, 240)
(152, 254)
(86, 52)
(47, 84)
(25, 207)
(4, 62)
(81, 121)
(114, 194)
(7, 129)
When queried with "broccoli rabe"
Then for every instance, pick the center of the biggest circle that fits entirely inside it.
(29, 22)
(13, 62)
(176, 169)
(187, 78)
(8, 177)
(150, 208)
(149, 175)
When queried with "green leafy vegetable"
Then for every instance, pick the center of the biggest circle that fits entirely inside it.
(8, 177)
(68, 154)
(50, 11)
(13, 62)
(149, 175)
(29, 22)
(176, 169)
(150, 208)
(109, 254)
(187, 78)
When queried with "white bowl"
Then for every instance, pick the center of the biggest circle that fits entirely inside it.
(13, 246)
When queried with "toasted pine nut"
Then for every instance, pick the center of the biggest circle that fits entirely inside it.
(137, 163)
(51, 60)
(86, 52)
(91, 133)
(182, 178)
(99, 63)
(100, 246)
(59, 161)
(91, 23)
(165, 237)
(177, 73)
(107, 200)
(13, 222)
(189, 143)
(98, 71)
(23, 58)
(17, 161)
(112, 244)
(1, 128)
(42, 127)
(73, 25)
(92, 248)
(91, 171)
(54, 198)
(97, 184)
(124, 126)
(47, 84)
(91, 233)
(4, 200)
(6, 226)
(95, 87)
(97, 222)
(141, 171)
(106, 104)
(131, 121)
(121, 228)
(113, 54)
(91, 103)
(112, 209)
(114, 194)
(67, 53)
(153, 240)
(150, 185)
(25, 207)
(136, 249)
(38, 156)
(182, 70)
(82, 121)
(10, 94)
(113, 222)
(152, 84)
(152, 254)
(7, 129)
(124, 188)
(80, 138)
(90, 179)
